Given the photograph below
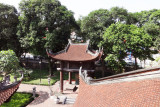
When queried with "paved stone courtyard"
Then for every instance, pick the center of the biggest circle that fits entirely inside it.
(47, 94)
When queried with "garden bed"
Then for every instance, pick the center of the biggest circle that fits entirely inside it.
(19, 99)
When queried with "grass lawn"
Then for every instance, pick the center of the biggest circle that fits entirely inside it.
(36, 75)
(19, 100)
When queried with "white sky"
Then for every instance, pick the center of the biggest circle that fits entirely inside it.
(84, 7)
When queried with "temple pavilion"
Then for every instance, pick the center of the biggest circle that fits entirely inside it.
(73, 57)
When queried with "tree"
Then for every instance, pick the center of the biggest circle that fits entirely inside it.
(141, 43)
(154, 28)
(132, 18)
(121, 38)
(44, 24)
(114, 46)
(155, 17)
(8, 62)
(143, 17)
(94, 25)
(119, 14)
(8, 29)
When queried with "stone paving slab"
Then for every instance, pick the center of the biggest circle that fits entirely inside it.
(46, 98)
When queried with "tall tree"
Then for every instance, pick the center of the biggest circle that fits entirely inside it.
(94, 25)
(8, 28)
(155, 17)
(44, 24)
(143, 17)
(119, 14)
(9, 62)
(121, 38)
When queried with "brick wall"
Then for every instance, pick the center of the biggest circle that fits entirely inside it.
(142, 93)
(8, 91)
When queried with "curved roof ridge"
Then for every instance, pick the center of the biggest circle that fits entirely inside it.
(147, 73)
(129, 93)
(139, 71)
(86, 43)
(75, 52)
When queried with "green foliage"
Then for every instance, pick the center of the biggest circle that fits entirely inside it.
(119, 14)
(93, 26)
(8, 61)
(157, 43)
(121, 38)
(152, 29)
(18, 100)
(155, 17)
(44, 23)
(8, 28)
(143, 17)
(113, 63)
(157, 59)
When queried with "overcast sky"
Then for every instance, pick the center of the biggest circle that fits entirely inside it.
(84, 7)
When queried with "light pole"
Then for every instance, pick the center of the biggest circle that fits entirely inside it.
(40, 64)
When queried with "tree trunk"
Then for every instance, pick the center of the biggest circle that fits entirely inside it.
(103, 65)
(135, 63)
(50, 66)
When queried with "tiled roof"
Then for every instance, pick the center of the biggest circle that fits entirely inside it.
(131, 93)
(8, 91)
(76, 52)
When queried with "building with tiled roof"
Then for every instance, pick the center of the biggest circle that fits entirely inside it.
(77, 52)
(140, 88)
(74, 56)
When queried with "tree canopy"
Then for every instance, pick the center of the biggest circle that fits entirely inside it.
(8, 28)
(44, 24)
(122, 38)
(8, 62)
(94, 25)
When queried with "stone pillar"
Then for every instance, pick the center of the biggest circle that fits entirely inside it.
(61, 81)
(34, 92)
(70, 77)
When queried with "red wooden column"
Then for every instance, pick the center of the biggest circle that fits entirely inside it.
(69, 74)
(70, 78)
(61, 78)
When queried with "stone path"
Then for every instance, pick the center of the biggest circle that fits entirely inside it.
(47, 100)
